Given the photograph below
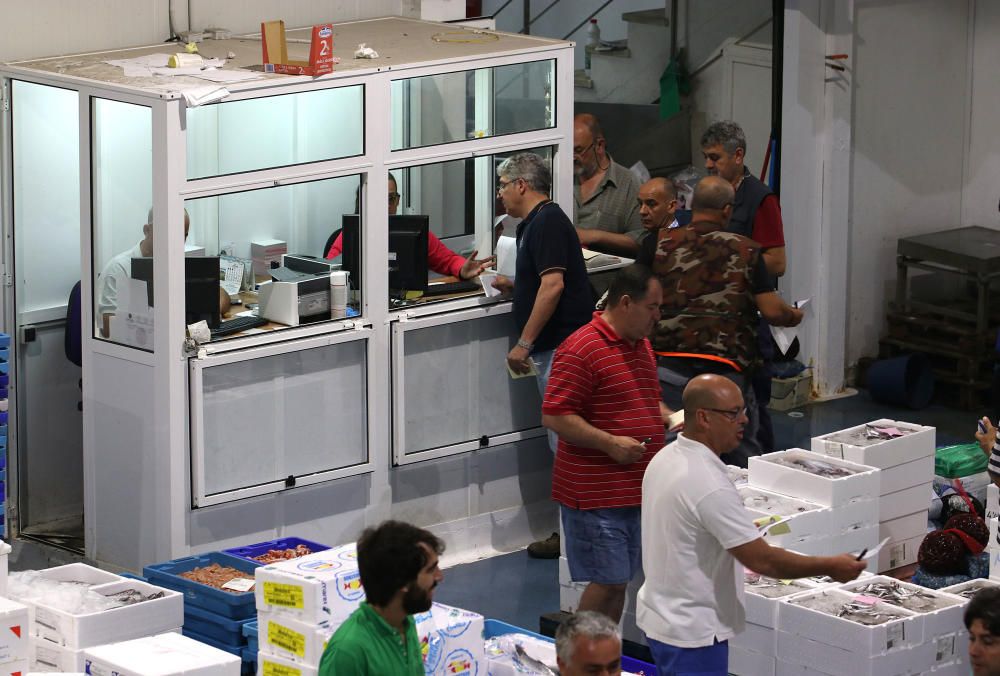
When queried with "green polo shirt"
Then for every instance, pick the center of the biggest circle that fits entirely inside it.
(366, 645)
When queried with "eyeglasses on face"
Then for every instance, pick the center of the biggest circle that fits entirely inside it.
(393, 197)
(502, 185)
(731, 415)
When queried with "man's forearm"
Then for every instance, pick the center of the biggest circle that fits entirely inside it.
(613, 242)
(575, 430)
(544, 306)
(785, 565)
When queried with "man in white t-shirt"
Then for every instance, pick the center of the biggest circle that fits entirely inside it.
(695, 531)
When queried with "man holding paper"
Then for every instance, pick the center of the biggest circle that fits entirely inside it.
(694, 531)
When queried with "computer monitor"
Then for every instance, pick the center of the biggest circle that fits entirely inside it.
(350, 254)
(201, 286)
(408, 252)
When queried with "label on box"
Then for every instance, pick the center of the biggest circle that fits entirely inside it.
(286, 638)
(240, 584)
(284, 595)
(945, 648)
(272, 669)
(895, 632)
(834, 449)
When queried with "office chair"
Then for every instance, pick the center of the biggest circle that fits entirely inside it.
(329, 242)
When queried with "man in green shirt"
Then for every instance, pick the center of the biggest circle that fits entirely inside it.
(399, 570)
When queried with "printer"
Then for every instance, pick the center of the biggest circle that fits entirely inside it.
(299, 291)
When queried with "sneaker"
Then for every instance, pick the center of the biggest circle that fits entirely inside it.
(545, 549)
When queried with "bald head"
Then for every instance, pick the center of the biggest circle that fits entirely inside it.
(662, 187)
(712, 192)
(706, 391)
(590, 123)
(714, 412)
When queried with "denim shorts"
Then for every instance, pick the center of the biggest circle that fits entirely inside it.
(602, 545)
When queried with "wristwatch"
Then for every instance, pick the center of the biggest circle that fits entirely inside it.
(525, 344)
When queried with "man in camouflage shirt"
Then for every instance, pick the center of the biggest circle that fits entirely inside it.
(714, 283)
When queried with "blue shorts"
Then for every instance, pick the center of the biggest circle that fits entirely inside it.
(712, 660)
(602, 545)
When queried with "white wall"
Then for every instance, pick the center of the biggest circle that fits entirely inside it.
(909, 133)
(981, 192)
(53, 27)
(710, 22)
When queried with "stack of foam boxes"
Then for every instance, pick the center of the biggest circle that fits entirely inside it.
(451, 640)
(814, 638)
(300, 603)
(993, 521)
(4, 385)
(167, 654)
(56, 639)
(846, 519)
(906, 461)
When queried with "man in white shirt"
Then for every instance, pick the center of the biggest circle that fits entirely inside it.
(695, 530)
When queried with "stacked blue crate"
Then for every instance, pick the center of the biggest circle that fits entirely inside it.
(4, 385)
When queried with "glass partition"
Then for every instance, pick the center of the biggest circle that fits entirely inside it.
(449, 107)
(275, 131)
(244, 236)
(122, 198)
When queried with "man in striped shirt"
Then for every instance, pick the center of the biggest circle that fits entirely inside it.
(990, 443)
(603, 400)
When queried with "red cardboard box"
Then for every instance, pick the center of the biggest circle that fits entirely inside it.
(321, 58)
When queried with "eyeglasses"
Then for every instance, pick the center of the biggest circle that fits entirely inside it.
(732, 416)
(502, 185)
(582, 151)
(393, 197)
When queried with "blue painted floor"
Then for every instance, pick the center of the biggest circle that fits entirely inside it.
(518, 589)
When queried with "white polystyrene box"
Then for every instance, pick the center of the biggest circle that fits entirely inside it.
(744, 662)
(970, 586)
(5, 550)
(940, 622)
(162, 655)
(994, 549)
(898, 554)
(918, 442)
(762, 609)
(854, 514)
(788, 533)
(14, 624)
(272, 665)
(756, 638)
(51, 657)
(15, 668)
(854, 540)
(865, 640)
(286, 636)
(503, 663)
(117, 624)
(765, 472)
(839, 660)
(316, 588)
(808, 517)
(919, 472)
(907, 501)
(992, 501)
(904, 527)
(454, 640)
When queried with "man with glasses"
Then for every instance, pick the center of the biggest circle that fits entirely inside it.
(606, 211)
(552, 296)
(694, 531)
(714, 283)
(440, 258)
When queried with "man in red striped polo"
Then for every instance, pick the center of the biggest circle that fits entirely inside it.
(603, 400)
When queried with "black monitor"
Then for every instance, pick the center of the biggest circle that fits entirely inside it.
(201, 286)
(408, 252)
(350, 252)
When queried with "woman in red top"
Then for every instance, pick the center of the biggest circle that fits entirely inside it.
(440, 258)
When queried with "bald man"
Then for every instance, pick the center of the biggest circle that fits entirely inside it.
(714, 283)
(606, 214)
(695, 530)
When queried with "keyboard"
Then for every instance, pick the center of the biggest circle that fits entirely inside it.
(453, 287)
(237, 324)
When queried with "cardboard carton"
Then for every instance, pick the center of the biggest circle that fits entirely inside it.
(275, 46)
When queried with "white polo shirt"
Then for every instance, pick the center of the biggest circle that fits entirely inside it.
(691, 514)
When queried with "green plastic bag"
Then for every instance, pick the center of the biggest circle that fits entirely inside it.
(960, 460)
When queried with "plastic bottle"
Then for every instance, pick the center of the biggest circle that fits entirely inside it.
(338, 294)
(593, 40)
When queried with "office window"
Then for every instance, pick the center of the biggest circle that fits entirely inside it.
(275, 131)
(485, 102)
(245, 235)
(122, 198)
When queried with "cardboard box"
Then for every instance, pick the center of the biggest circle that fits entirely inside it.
(272, 665)
(163, 655)
(451, 640)
(897, 554)
(323, 587)
(285, 636)
(907, 501)
(903, 527)
(919, 442)
(744, 662)
(274, 45)
(836, 660)
(866, 641)
(766, 473)
(117, 624)
(265, 251)
(919, 472)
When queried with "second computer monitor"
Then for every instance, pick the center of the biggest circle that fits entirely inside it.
(201, 286)
(408, 236)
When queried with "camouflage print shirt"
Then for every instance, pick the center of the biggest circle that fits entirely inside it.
(709, 281)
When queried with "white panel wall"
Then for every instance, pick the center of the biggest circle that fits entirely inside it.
(910, 117)
(980, 199)
(710, 22)
(53, 27)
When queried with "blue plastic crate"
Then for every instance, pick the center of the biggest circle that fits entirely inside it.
(5, 353)
(251, 551)
(236, 606)
(246, 668)
(4, 340)
(250, 631)
(493, 628)
(4, 380)
(215, 626)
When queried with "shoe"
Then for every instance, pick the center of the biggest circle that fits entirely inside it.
(545, 549)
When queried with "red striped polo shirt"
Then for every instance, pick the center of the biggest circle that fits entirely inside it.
(613, 386)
